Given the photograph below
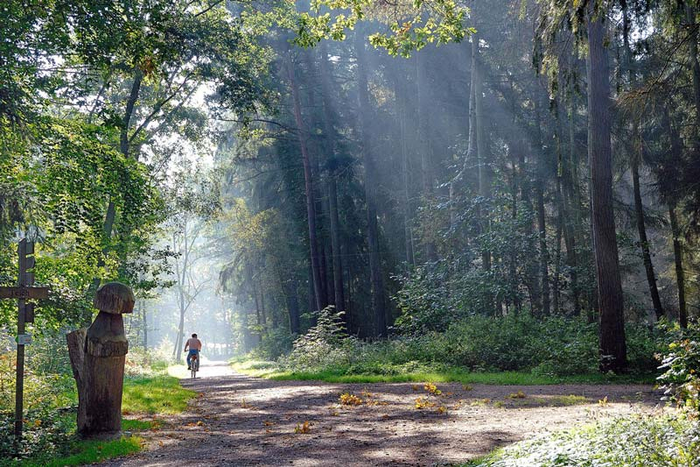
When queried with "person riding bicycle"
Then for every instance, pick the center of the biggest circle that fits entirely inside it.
(195, 345)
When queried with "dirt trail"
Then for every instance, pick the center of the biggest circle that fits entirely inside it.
(239, 421)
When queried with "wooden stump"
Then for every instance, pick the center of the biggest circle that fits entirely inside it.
(97, 356)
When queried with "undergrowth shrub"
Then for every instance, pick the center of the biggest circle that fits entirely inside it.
(548, 346)
(50, 397)
(49, 403)
(275, 343)
(632, 441)
(681, 366)
(325, 344)
(146, 362)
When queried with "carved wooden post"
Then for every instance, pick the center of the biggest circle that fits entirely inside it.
(97, 356)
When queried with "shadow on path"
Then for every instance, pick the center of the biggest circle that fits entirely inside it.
(238, 420)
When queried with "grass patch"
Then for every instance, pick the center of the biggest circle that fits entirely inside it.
(155, 395)
(271, 370)
(139, 425)
(88, 452)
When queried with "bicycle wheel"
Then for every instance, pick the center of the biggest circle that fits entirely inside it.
(194, 367)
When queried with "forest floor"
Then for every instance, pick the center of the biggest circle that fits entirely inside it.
(240, 420)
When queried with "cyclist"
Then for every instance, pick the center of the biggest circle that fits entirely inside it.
(195, 345)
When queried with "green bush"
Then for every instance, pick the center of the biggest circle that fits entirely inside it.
(681, 365)
(275, 343)
(49, 415)
(145, 362)
(324, 345)
(550, 346)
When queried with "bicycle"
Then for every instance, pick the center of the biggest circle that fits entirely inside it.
(194, 366)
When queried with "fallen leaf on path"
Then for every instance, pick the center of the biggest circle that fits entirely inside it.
(422, 403)
(349, 399)
(303, 428)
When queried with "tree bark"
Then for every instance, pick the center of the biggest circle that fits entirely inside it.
(613, 346)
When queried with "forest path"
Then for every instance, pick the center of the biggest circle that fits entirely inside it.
(239, 420)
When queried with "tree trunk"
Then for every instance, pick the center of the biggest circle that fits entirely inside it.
(635, 160)
(144, 323)
(678, 259)
(329, 130)
(531, 280)
(424, 144)
(320, 299)
(676, 152)
(643, 241)
(556, 292)
(290, 292)
(572, 205)
(613, 347)
(541, 181)
(481, 144)
(376, 280)
(402, 112)
(484, 183)
(544, 251)
(111, 214)
(695, 65)
(258, 318)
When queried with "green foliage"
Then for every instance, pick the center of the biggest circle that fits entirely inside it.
(457, 286)
(146, 362)
(413, 24)
(552, 347)
(681, 365)
(86, 452)
(326, 343)
(46, 433)
(48, 402)
(275, 343)
(634, 441)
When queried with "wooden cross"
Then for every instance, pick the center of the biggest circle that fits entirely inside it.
(21, 293)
